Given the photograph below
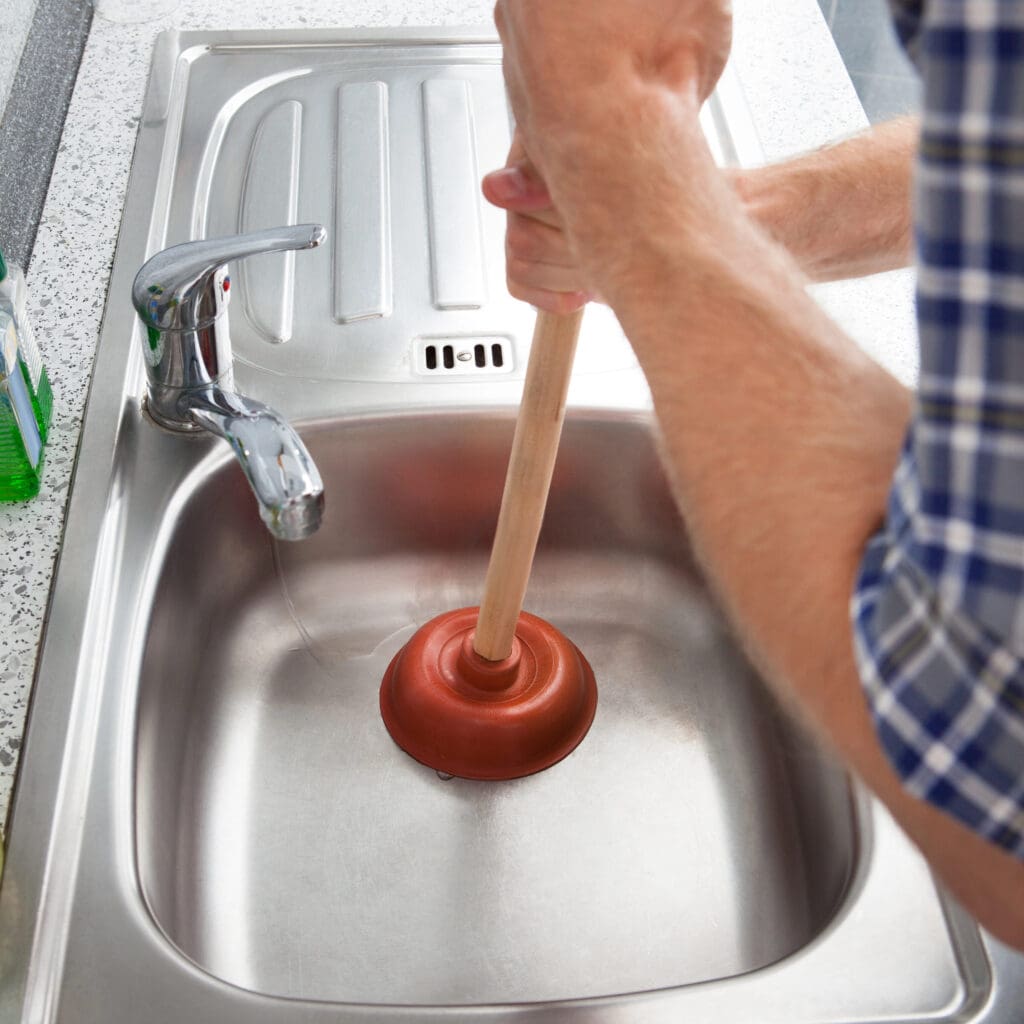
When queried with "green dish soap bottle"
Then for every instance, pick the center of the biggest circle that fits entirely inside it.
(13, 303)
(21, 445)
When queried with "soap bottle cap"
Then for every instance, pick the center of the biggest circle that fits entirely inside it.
(3, 267)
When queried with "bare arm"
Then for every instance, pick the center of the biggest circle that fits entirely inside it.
(780, 433)
(842, 211)
(783, 491)
(781, 496)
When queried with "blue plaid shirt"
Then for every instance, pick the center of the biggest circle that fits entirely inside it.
(939, 606)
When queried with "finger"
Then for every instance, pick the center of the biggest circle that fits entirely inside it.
(544, 276)
(552, 302)
(517, 187)
(527, 238)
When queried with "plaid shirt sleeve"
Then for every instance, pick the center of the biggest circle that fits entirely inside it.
(938, 612)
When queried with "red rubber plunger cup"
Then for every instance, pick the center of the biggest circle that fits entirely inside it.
(496, 693)
(463, 715)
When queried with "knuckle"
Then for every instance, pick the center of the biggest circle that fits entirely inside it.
(520, 269)
(568, 302)
(519, 291)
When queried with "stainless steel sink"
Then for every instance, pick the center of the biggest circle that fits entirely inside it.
(211, 822)
(286, 845)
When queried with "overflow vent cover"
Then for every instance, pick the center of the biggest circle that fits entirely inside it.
(444, 357)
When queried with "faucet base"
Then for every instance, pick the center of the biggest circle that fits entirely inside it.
(178, 427)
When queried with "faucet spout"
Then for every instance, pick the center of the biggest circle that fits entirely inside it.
(277, 465)
(181, 296)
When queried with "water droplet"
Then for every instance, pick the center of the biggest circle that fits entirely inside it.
(445, 777)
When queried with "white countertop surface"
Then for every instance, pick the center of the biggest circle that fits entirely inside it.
(791, 73)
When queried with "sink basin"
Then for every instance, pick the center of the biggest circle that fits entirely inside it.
(210, 821)
(287, 846)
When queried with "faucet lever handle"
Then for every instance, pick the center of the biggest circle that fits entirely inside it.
(184, 288)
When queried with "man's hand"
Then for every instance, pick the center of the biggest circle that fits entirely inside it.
(556, 54)
(606, 95)
(841, 211)
(540, 265)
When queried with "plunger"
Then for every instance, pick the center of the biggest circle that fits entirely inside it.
(494, 692)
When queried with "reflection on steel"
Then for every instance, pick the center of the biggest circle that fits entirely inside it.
(362, 261)
(270, 196)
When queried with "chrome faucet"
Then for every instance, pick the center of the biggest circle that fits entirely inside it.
(182, 296)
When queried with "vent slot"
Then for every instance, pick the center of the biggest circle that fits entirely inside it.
(442, 357)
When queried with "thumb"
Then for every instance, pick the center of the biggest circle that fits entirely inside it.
(517, 187)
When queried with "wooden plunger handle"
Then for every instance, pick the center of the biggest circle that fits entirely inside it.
(534, 448)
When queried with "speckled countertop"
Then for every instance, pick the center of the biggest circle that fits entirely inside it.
(795, 84)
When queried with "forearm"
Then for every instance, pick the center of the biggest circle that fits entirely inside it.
(780, 434)
(842, 211)
(782, 438)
